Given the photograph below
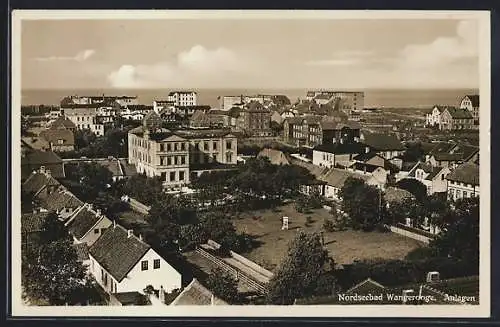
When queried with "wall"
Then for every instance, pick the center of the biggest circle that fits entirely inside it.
(331, 192)
(165, 276)
(454, 187)
(91, 237)
(409, 234)
(439, 182)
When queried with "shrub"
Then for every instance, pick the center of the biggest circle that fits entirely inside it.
(328, 225)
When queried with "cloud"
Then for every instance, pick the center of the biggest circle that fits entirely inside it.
(197, 65)
(80, 56)
(343, 58)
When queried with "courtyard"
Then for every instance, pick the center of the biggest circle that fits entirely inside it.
(344, 246)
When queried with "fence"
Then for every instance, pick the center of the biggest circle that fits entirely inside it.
(239, 275)
(410, 234)
(252, 265)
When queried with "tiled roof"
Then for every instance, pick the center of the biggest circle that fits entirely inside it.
(130, 298)
(197, 294)
(82, 251)
(466, 173)
(37, 181)
(113, 165)
(128, 169)
(62, 123)
(337, 177)
(313, 169)
(33, 222)
(429, 169)
(341, 148)
(474, 99)
(54, 135)
(276, 157)
(382, 142)
(365, 156)
(118, 253)
(36, 142)
(294, 120)
(38, 157)
(457, 113)
(82, 222)
(453, 151)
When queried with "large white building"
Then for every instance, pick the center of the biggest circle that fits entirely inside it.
(183, 98)
(471, 103)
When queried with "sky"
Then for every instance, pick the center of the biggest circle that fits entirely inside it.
(167, 53)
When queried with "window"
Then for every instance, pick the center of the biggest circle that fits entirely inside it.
(169, 147)
(205, 146)
(103, 230)
(144, 265)
(172, 176)
(169, 161)
(156, 264)
(181, 175)
(162, 147)
(183, 160)
(214, 145)
(183, 146)
(96, 231)
(163, 176)
(105, 279)
(229, 144)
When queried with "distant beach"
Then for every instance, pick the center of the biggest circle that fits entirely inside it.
(373, 98)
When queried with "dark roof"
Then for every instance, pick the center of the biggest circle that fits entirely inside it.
(365, 156)
(457, 113)
(39, 157)
(364, 167)
(341, 148)
(294, 120)
(196, 294)
(322, 97)
(234, 112)
(82, 251)
(38, 180)
(365, 287)
(474, 99)
(444, 151)
(395, 194)
(327, 124)
(54, 135)
(118, 253)
(35, 142)
(84, 220)
(313, 169)
(429, 169)
(33, 222)
(60, 199)
(181, 92)
(466, 173)
(62, 123)
(383, 142)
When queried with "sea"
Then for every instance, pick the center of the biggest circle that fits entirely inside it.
(374, 98)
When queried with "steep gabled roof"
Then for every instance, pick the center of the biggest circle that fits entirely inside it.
(429, 169)
(38, 157)
(465, 173)
(457, 113)
(83, 221)
(396, 194)
(197, 294)
(276, 157)
(62, 123)
(341, 148)
(33, 222)
(118, 253)
(474, 99)
(54, 135)
(37, 181)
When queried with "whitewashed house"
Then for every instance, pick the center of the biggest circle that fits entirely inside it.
(87, 224)
(463, 182)
(122, 263)
(434, 178)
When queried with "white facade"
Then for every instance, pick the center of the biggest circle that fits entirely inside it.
(433, 118)
(459, 190)
(126, 101)
(437, 184)
(183, 98)
(327, 159)
(95, 232)
(137, 279)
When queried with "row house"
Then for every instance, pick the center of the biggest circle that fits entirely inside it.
(456, 119)
(254, 119)
(434, 178)
(463, 182)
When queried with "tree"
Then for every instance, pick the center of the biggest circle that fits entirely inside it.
(459, 238)
(413, 186)
(299, 272)
(224, 286)
(53, 273)
(363, 204)
(53, 229)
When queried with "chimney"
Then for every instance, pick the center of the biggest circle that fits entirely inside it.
(114, 223)
(98, 212)
(130, 233)
(212, 300)
(42, 169)
(140, 237)
(162, 294)
(367, 149)
(47, 172)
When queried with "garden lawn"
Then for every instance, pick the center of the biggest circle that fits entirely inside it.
(344, 246)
